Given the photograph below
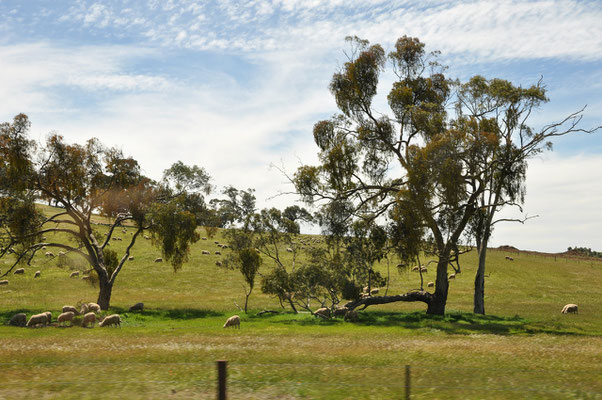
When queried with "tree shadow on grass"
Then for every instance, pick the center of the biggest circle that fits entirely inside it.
(172, 313)
(452, 323)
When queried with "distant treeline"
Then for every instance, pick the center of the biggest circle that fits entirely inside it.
(585, 251)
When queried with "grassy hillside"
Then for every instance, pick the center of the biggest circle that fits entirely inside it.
(524, 347)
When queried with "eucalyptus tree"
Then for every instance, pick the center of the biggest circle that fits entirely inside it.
(415, 159)
(497, 112)
(85, 180)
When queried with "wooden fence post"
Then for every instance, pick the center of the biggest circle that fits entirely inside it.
(407, 382)
(221, 379)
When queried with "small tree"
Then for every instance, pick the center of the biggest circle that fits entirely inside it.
(87, 179)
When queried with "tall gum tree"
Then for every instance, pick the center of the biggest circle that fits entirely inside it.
(499, 111)
(84, 180)
(436, 192)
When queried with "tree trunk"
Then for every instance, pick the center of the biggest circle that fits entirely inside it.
(479, 281)
(437, 304)
(106, 287)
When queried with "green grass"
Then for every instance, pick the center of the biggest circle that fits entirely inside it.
(523, 348)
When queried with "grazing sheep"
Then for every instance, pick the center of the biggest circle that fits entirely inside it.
(365, 289)
(19, 319)
(89, 317)
(218, 263)
(93, 307)
(44, 248)
(233, 321)
(131, 258)
(137, 307)
(48, 316)
(114, 319)
(216, 242)
(146, 237)
(74, 274)
(86, 278)
(430, 284)
(37, 274)
(289, 249)
(570, 309)
(322, 312)
(89, 307)
(70, 309)
(205, 252)
(37, 319)
(19, 271)
(351, 316)
(424, 269)
(4, 282)
(203, 238)
(158, 259)
(66, 316)
(49, 254)
(217, 253)
(373, 292)
(509, 258)
(61, 253)
(452, 276)
(415, 269)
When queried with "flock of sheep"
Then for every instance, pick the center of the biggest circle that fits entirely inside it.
(88, 310)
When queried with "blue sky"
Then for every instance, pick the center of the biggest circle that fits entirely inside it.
(236, 86)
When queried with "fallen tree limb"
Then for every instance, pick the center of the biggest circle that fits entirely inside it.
(422, 296)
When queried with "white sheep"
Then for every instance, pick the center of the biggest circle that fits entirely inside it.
(3, 282)
(38, 319)
(415, 269)
(19, 319)
(74, 274)
(233, 321)
(89, 317)
(86, 278)
(61, 253)
(217, 253)
(131, 258)
(49, 254)
(218, 263)
(66, 316)
(452, 276)
(114, 319)
(205, 252)
(89, 307)
(289, 249)
(70, 308)
(203, 238)
(424, 269)
(570, 309)
(374, 291)
(48, 316)
(509, 258)
(37, 274)
(158, 259)
(322, 312)
(430, 284)
(19, 271)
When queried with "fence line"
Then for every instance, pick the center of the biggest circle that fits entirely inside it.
(405, 383)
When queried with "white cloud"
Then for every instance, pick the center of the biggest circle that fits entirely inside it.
(565, 193)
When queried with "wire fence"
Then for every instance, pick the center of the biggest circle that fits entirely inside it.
(156, 379)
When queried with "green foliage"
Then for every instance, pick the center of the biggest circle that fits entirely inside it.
(174, 230)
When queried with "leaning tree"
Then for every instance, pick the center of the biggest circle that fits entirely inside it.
(84, 181)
